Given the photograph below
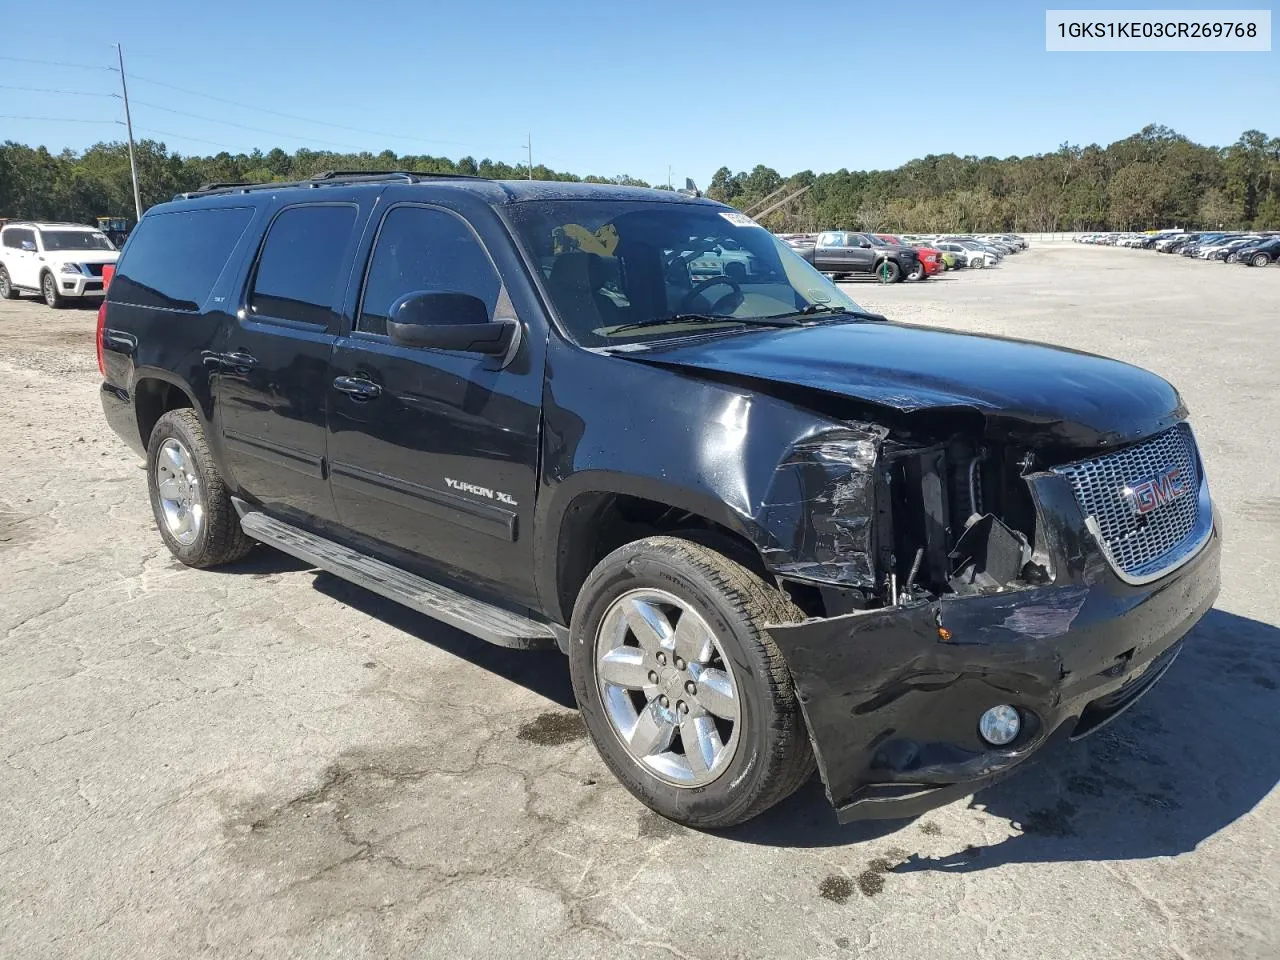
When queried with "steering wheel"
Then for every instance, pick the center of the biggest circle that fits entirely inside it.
(686, 303)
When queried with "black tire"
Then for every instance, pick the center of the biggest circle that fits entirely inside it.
(7, 291)
(917, 272)
(1261, 260)
(220, 539)
(888, 271)
(49, 290)
(773, 757)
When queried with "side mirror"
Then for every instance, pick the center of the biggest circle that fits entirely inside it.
(448, 321)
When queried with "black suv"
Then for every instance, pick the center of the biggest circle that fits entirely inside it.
(768, 528)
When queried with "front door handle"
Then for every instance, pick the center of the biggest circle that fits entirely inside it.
(358, 388)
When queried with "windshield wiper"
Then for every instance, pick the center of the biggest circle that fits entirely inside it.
(784, 320)
(816, 308)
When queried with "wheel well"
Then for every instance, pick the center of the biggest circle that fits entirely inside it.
(152, 399)
(596, 524)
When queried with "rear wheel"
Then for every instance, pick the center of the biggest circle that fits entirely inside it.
(682, 689)
(1261, 260)
(192, 505)
(49, 288)
(7, 291)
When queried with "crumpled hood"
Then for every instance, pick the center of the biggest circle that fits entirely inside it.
(1038, 393)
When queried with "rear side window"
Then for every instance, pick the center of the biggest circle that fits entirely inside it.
(421, 249)
(14, 239)
(174, 259)
(300, 263)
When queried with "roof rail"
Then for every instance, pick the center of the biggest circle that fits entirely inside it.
(326, 179)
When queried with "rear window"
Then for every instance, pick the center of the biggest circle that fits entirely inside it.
(173, 259)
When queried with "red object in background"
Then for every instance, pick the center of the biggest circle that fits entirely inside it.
(102, 326)
(108, 271)
(931, 258)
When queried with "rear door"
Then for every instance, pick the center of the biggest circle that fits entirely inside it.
(22, 258)
(832, 253)
(434, 453)
(273, 366)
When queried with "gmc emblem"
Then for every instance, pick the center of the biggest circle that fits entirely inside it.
(1156, 492)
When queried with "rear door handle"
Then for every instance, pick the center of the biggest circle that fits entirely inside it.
(358, 388)
(239, 361)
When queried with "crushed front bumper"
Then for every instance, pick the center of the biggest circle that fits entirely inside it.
(893, 708)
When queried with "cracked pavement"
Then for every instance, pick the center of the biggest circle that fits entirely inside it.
(264, 761)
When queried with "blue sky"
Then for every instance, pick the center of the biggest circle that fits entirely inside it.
(613, 88)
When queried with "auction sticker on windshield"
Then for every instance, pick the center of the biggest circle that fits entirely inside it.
(739, 219)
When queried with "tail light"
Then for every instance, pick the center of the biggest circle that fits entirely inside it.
(102, 327)
(108, 271)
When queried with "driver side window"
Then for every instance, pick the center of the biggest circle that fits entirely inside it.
(424, 249)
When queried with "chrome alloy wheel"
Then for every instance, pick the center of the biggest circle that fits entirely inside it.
(666, 687)
(178, 486)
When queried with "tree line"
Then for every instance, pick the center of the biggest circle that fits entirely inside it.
(1155, 178)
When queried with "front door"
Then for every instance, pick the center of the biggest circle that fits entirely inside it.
(434, 453)
(862, 253)
(272, 374)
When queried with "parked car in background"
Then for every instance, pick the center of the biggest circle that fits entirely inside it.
(58, 261)
(965, 255)
(930, 258)
(1260, 254)
(844, 252)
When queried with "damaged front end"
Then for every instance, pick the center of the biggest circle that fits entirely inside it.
(948, 571)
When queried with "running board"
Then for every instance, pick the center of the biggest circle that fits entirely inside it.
(480, 619)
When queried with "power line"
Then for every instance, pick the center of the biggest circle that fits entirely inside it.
(300, 119)
(244, 126)
(55, 63)
(181, 136)
(74, 93)
(10, 116)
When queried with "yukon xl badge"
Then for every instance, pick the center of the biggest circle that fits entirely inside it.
(478, 491)
(1163, 488)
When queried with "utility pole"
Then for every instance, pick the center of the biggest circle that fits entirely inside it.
(669, 176)
(529, 147)
(128, 122)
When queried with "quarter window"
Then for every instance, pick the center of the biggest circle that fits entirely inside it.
(301, 263)
(173, 259)
(422, 249)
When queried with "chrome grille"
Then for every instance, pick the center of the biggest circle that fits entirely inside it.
(1138, 543)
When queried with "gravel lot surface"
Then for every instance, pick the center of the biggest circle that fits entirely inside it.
(266, 762)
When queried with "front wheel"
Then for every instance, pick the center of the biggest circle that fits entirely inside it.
(7, 291)
(888, 271)
(917, 272)
(682, 689)
(49, 288)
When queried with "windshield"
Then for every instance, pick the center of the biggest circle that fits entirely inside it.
(74, 240)
(611, 265)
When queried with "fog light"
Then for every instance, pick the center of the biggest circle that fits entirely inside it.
(1000, 725)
